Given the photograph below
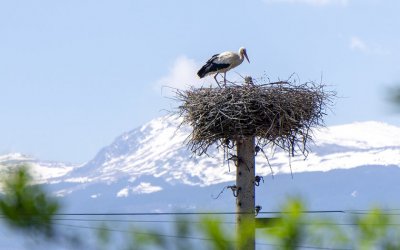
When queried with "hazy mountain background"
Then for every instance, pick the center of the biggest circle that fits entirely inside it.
(149, 169)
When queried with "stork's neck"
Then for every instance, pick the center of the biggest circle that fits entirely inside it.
(241, 56)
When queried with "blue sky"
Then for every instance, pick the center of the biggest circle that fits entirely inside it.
(76, 74)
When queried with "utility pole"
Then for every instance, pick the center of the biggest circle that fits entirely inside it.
(245, 200)
(233, 112)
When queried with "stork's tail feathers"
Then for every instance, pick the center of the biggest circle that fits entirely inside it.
(210, 68)
(202, 72)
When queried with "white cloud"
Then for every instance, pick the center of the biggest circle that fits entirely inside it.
(311, 2)
(358, 44)
(181, 75)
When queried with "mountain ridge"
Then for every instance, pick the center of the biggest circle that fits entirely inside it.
(150, 169)
(158, 149)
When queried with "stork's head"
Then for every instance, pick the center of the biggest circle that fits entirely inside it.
(243, 53)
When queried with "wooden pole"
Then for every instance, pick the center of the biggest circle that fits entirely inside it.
(245, 200)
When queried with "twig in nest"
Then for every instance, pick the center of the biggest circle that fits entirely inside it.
(258, 149)
(280, 114)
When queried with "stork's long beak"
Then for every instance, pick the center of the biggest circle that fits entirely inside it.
(245, 55)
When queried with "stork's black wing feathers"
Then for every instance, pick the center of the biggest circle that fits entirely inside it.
(212, 58)
(211, 66)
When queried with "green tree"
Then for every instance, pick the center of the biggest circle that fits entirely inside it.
(26, 206)
(288, 231)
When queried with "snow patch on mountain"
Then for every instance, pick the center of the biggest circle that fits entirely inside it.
(360, 135)
(151, 169)
(12, 157)
(158, 149)
(142, 188)
(42, 171)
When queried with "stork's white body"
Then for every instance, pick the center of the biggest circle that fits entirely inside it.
(223, 62)
(232, 59)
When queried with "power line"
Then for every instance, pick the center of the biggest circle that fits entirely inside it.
(130, 221)
(186, 237)
(222, 222)
(191, 213)
(134, 221)
(351, 211)
(145, 214)
(364, 213)
(345, 211)
(134, 232)
(368, 210)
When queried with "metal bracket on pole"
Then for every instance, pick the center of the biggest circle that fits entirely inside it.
(258, 209)
(257, 180)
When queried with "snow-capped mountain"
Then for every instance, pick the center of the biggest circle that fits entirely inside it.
(158, 149)
(43, 171)
(150, 169)
(154, 158)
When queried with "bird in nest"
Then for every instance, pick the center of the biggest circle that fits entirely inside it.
(223, 62)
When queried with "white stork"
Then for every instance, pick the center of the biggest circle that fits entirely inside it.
(221, 63)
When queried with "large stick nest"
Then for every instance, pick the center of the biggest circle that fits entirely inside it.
(280, 113)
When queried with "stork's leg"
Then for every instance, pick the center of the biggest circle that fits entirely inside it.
(225, 79)
(215, 78)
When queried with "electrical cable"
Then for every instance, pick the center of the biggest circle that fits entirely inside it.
(186, 237)
(357, 211)
(190, 213)
(135, 221)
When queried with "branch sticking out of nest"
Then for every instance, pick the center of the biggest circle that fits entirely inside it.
(280, 113)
